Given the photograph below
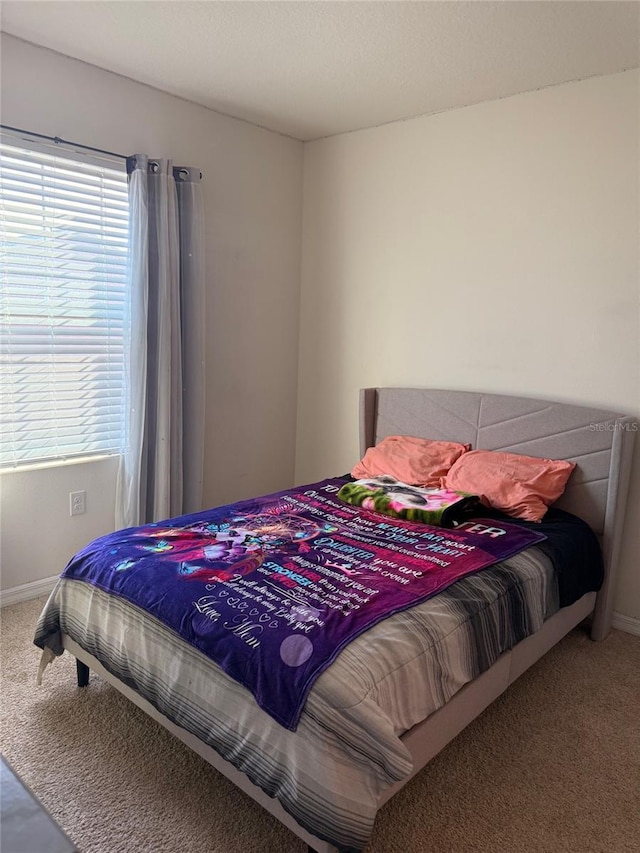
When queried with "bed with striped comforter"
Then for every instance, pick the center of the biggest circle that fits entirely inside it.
(346, 751)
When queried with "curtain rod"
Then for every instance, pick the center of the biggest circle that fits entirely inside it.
(58, 141)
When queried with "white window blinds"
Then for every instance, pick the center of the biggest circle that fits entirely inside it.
(64, 246)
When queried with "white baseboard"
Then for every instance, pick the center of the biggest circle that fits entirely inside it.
(626, 623)
(35, 589)
(26, 591)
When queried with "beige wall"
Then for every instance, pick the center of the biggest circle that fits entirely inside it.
(38, 536)
(488, 248)
(253, 201)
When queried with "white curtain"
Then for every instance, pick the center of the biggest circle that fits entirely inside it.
(160, 473)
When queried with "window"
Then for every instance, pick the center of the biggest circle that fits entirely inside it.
(64, 247)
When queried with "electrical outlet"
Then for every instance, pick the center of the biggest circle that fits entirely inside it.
(77, 503)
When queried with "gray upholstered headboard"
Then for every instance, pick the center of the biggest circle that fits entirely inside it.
(600, 442)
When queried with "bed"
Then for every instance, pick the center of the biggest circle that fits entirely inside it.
(364, 734)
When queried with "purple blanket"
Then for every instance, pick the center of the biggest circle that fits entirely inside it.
(273, 588)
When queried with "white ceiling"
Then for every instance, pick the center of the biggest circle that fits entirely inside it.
(312, 69)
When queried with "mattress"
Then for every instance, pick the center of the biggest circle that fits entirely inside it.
(331, 772)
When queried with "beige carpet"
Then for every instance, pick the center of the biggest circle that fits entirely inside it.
(552, 767)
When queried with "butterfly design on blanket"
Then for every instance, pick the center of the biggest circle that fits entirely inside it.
(224, 550)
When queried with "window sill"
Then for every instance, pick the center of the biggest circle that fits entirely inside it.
(58, 463)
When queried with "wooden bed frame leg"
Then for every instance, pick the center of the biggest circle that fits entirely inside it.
(82, 671)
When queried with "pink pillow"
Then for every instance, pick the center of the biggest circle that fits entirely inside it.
(521, 486)
(415, 461)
